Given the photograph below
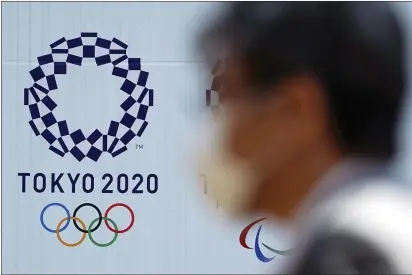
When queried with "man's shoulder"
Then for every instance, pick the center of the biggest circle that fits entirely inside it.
(344, 253)
(366, 230)
(372, 208)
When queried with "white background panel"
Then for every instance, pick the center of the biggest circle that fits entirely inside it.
(173, 231)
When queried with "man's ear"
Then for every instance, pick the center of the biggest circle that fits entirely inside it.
(301, 102)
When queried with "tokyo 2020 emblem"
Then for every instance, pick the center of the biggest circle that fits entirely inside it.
(56, 131)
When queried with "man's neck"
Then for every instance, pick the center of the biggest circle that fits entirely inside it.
(282, 193)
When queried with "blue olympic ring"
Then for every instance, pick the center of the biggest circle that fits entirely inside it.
(50, 205)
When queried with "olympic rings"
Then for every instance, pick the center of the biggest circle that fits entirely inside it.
(84, 229)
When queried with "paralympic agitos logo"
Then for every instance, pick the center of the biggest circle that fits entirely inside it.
(258, 251)
(83, 229)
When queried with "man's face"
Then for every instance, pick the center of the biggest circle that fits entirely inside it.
(270, 127)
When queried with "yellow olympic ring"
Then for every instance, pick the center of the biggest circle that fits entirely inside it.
(71, 244)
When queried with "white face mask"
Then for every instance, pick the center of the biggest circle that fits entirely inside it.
(230, 180)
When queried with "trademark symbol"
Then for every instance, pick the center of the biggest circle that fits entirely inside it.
(139, 146)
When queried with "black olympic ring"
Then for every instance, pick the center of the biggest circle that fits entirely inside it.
(98, 212)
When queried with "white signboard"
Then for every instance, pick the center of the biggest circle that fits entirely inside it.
(99, 105)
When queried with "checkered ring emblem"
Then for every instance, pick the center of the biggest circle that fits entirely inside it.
(56, 132)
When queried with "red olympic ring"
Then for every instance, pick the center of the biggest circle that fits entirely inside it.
(131, 222)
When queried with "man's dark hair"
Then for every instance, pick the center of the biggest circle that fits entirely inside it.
(354, 48)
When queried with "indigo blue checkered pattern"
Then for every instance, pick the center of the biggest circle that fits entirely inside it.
(58, 135)
(212, 94)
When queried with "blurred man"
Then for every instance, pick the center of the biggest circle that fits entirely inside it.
(309, 106)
